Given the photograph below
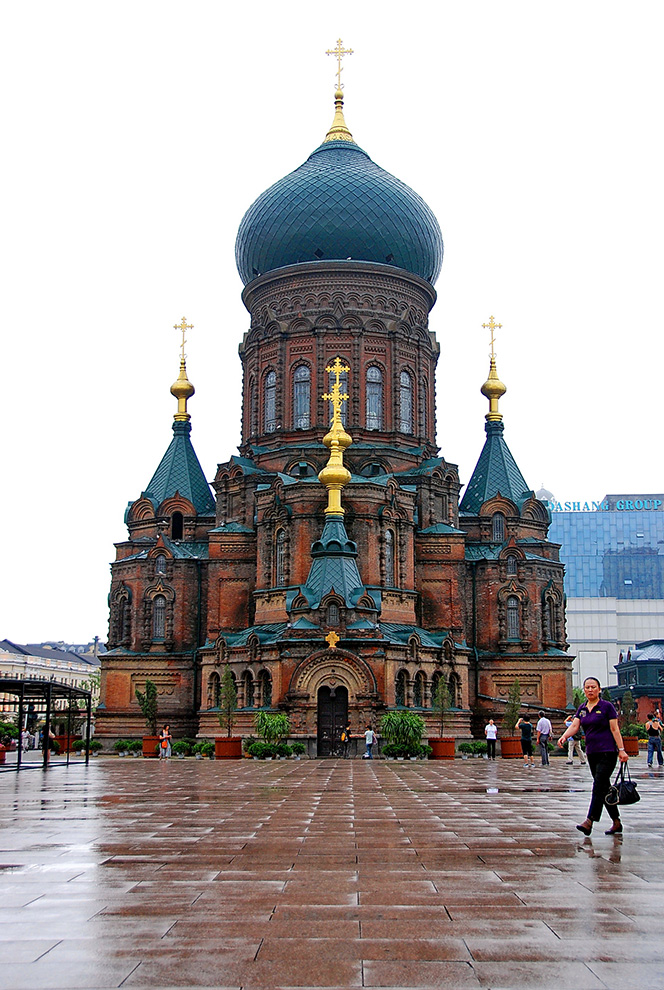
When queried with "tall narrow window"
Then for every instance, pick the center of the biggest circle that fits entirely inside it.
(302, 398)
(405, 403)
(158, 617)
(400, 688)
(551, 605)
(418, 690)
(498, 527)
(280, 559)
(177, 526)
(270, 402)
(389, 558)
(265, 686)
(248, 689)
(343, 382)
(333, 614)
(374, 398)
(160, 564)
(513, 623)
(511, 564)
(253, 408)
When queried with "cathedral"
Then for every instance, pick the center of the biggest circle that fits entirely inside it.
(332, 563)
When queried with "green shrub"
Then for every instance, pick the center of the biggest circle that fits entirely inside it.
(79, 746)
(404, 730)
(466, 747)
(479, 746)
(272, 726)
(134, 745)
(299, 749)
(634, 729)
(425, 751)
(181, 747)
(122, 745)
(283, 749)
(8, 729)
(207, 749)
(248, 742)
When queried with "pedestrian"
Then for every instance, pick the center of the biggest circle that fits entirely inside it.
(165, 738)
(345, 740)
(369, 740)
(573, 744)
(604, 746)
(491, 733)
(25, 740)
(654, 730)
(544, 730)
(526, 727)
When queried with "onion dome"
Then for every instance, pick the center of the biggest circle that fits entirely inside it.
(339, 205)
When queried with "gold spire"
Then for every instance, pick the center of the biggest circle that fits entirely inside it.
(182, 389)
(334, 475)
(339, 131)
(493, 388)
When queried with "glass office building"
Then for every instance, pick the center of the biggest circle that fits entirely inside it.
(613, 551)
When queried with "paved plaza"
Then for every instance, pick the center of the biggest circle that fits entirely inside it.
(202, 874)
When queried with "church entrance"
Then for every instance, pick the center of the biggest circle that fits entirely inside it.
(332, 717)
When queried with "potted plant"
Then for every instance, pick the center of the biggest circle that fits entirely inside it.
(272, 727)
(479, 748)
(510, 745)
(204, 749)
(80, 745)
(121, 746)
(299, 749)
(402, 731)
(629, 725)
(148, 705)
(181, 748)
(230, 747)
(443, 747)
(465, 748)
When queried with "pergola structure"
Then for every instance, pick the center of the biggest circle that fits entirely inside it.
(39, 697)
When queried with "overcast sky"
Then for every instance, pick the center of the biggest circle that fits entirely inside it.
(137, 133)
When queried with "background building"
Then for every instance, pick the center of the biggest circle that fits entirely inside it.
(41, 661)
(613, 551)
(345, 611)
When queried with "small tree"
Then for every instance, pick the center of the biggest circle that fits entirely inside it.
(513, 706)
(227, 701)
(404, 731)
(441, 702)
(272, 726)
(148, 703)
(627, 712)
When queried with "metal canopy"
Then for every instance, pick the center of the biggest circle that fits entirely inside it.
(33, 691)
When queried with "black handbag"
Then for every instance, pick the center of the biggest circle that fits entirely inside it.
(623, 789)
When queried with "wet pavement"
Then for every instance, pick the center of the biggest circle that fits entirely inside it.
(325, 873)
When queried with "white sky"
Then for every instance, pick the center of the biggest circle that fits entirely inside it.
(137, 133)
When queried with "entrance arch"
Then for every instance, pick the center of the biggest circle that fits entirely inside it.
(332, 718)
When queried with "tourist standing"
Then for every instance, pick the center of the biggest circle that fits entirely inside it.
(604, 747)
(491, 733)
(526, 727)
(654, 730)
(573, 743)
(345, 740)
(165, 738)
(369, 740)
(544, 730)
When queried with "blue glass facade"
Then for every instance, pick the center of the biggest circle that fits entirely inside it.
(611, 553)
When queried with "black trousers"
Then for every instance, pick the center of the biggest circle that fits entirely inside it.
(602, 766)
(491, 748)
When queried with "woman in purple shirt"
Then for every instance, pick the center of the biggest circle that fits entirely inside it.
(604, 746)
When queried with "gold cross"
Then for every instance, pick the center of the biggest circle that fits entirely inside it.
(492, 326)
(183, 326)
(339, 51)
(336, 397)
(332, 639)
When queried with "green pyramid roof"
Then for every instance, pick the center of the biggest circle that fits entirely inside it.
(180, 471)
(495, 472)
(334, 566)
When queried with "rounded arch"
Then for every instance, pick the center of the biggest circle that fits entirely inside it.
(401, 685)
(322, 668)
(301, 380)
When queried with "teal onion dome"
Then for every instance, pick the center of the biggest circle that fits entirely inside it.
(339, 205)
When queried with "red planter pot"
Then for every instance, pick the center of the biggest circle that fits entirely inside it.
(228, 748)
(510, 748)
(631, 745)
(443, 748)
(150, 746)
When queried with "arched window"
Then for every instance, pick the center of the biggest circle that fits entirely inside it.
(454, 685)
(551, 611)
(177, 526)
(248, 682)
(280, 559)
(389, 558)
(265, 688)
(160, 564)
(214, 690)
(158, 617)
(498, 527)
(405, 403)
(435, 681)
(400, 688)
(418, 689)
(301, 398)
(511, 565)
(270, 402)
(343, 382)
(374, 398)
(333, 614)
(513, 622)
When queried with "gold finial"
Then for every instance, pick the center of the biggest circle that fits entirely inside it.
(332, 639)
(334, 475)
(182, 389)
(493, 388)
(339, 131)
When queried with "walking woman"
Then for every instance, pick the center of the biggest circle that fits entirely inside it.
(604, 747)
(165, 739)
